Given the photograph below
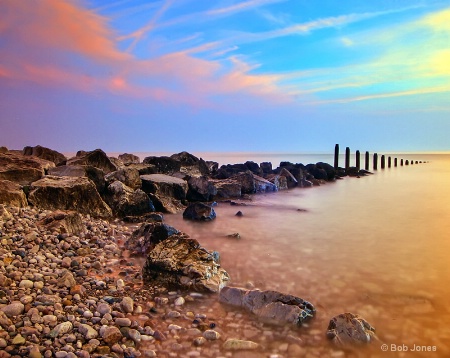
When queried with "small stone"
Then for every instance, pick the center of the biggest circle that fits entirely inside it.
(127, 304)
(61, 329)
(13, 309)
(237, 344)
(123, 322)
(103, 308)
(199, 341)
(211, 335)
(111, 335)
(179, 301)
(87, 331)
(173, 314)
(26, 284)
(18, 340)
(120, 284)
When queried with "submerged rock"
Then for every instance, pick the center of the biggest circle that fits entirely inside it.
(269, 306)
(349, 328)
(199, 211)
(181, 262)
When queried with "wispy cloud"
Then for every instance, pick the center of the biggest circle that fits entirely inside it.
(240, 6)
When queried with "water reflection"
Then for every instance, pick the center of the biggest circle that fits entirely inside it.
(377, 246)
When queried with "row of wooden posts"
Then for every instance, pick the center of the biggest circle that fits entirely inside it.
(375, 160)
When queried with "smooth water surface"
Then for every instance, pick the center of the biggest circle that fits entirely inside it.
(377, 246)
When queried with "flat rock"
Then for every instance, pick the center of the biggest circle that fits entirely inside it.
(165, 185)
(95, 174)
(269, 306)
(68, 193)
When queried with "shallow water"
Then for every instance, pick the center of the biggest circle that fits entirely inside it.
(376, 246)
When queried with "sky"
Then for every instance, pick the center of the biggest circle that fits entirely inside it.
(225, 75)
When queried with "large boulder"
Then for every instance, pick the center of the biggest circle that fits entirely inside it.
(143, 168)
(317, 172)
(45, 153)
(180, 262)
(199, 212)
(329, 169)
(191, 165)
(227, 189)
(279, 181)
(95, 174)
(290, 178)
(22, 169)
(64, 222)
(163, 165)
(165, 185)
(68, 193)
(129, 176)
(3, 149)
(201, 189)
(97, 158)
(147, 236)
(11, 194)
(124, 201)
(166, 204)
(269, 306)
(127, 158)
(262, 185)
(348, 328)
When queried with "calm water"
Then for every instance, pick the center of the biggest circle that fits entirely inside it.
(377, 246)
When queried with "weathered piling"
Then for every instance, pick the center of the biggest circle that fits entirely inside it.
(336, 156)
(389, 162)
(395, 162)
(367, 161)
(358, 160)
(383, 163)
(406, 162)
(401, 162)
(375, 161)
(347, 158)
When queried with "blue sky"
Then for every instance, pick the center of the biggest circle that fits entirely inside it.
(228, 75)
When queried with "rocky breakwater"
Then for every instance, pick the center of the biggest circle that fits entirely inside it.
(96, 184)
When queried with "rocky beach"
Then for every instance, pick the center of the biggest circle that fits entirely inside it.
(90, 268)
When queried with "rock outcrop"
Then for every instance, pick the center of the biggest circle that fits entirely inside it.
(68, 193)
(180, 262)
(165, 185)
(199, 212)
(163, 165)
(45, 153)
(12, 194)
(349, 328)
(269, 306)
(96, 158)
(22, 169)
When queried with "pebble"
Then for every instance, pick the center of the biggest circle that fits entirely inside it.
(179, 301)
(211, 335)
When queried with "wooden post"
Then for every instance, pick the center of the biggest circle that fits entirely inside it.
(401, 162)
(336, 156)
(389, 162)
(406, 162)
(412, 162)
(375, 161)
(395, 162)
(347, 158)
(367, 161)
(358, 160)
(382, 162)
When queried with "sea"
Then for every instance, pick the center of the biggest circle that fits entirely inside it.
(377, 246)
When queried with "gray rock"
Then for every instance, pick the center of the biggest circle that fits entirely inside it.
(127, 305)
(129, 176)
(238, 344)
(61, 329)
(125, 201)
(349, 328)
(211, 335)
(165, 185)
(270, 306)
